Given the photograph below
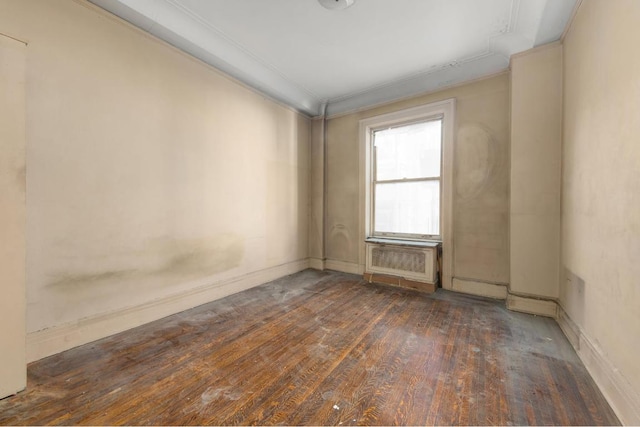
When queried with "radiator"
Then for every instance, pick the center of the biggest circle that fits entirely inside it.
(415, 263)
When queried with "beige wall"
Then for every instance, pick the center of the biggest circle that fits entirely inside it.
(149, 174)
(481, 206)
(13, 369)
(316, 215)
(601, 188)
(536, 144)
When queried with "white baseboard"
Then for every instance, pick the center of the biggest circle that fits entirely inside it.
(63, 337)
(569, 328)
(539, 307)
(624, 400)
(482, 289)
(513, 302)
(316, 263)
(345, 267)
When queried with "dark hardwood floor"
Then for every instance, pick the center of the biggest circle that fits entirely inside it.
(320, 348)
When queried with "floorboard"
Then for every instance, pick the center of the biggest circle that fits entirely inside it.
(320, 348)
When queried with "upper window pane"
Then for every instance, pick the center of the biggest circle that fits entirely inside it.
(411, 151)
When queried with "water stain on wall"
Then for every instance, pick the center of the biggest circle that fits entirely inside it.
(21, 178)
(481, 204)
(340, 241)
(475, 155)
(67, 281)
(182, 259)
(203, 256)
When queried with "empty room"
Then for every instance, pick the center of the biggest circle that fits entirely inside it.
(319, 212)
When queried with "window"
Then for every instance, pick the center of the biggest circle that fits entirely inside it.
(406, 182)
(406, 190)
(406, 159)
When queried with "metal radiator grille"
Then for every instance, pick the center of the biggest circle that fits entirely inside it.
(397, 259)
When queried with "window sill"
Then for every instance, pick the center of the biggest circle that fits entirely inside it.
(401, 242)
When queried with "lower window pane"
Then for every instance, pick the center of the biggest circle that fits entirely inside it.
(408, 207)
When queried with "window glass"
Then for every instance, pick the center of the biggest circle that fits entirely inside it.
(406, 182)
(411, 151)
(408, 207)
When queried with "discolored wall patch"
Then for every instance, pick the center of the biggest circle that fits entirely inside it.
(475, 159)
(178, 259)
(203, 256)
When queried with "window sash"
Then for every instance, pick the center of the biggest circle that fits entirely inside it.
(407, 235)
(426, 121)
(375, 182)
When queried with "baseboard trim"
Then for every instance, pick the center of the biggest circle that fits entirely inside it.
(569, 328)
(316, 263)
(401, 282)
(623, 399)
(59, 338)
(540, 307)
(345, 267)
(519, 303)
(482, 289)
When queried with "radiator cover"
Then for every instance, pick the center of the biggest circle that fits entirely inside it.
(415, 263)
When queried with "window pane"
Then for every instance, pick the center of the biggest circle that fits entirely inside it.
(411, 151)
(408, 207)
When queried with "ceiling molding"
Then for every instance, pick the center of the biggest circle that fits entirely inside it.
(449, 75)
(410, 96)
(169, 23)
(543, 22)
(530, 23)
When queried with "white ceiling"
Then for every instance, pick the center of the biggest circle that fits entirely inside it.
(375, 51)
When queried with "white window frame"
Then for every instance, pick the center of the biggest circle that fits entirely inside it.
(373, 181)
(446, 109)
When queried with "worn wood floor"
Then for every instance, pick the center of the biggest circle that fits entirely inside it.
(320, 348)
